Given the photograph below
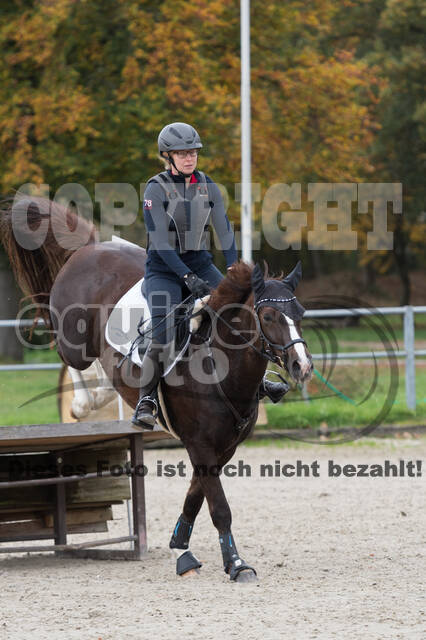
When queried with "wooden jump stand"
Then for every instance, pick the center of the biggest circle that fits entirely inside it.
(55, 443)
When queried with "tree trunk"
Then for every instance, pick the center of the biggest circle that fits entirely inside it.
(316, 263)
(369, 276)
(400, 253)
(10, 347)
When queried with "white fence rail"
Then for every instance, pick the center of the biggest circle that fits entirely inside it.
(409, 353)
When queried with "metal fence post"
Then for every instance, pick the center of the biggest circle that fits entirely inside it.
(410, 361)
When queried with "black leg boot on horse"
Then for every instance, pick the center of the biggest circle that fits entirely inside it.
(232, 563)
(185, 560)
(146, 410)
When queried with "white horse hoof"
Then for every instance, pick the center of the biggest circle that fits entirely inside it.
(81, 409)
(102, 396)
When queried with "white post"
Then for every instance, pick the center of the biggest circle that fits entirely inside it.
(120, 407)
(410, 360)
(246, 203)
(128, 505)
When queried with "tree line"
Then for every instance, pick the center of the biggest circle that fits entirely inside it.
(337, 97)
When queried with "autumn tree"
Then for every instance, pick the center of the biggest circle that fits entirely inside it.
(86, 87)
(389, 35)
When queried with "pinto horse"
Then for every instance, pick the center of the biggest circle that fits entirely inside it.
(75, 281)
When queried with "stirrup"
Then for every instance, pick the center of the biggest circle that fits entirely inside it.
(150, 420)
(276, 390)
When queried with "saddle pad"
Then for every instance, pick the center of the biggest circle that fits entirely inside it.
(122, 326)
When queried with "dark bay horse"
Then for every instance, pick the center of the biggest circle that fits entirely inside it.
(75, 282)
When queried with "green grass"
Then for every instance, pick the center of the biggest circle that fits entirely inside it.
(41, 356)
(370, 442)
(354, 381)
(17, 387)
(370, 335)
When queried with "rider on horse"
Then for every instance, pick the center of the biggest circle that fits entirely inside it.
(179, 205)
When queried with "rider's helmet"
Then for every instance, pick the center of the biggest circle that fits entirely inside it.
(178, 135)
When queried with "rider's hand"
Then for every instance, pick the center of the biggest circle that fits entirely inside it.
(199, 288)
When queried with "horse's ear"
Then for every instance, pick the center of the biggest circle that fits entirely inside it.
(257, 281)
(292, 280)
(266, 270)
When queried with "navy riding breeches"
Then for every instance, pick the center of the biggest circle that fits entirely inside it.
(165, 290)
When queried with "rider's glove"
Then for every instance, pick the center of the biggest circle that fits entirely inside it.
(199, 288)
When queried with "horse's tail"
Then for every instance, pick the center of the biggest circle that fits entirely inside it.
(39, 236)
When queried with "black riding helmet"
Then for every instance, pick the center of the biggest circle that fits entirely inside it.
(175, 137)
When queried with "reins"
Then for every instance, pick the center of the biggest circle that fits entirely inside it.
(241, 423)
(265, 352)
(143, 333)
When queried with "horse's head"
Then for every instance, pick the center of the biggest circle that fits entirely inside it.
(279, 314)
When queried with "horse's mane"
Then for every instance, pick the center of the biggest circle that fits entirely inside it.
(234, 289)
(36, 261)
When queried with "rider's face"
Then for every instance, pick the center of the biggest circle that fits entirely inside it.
(186, 164)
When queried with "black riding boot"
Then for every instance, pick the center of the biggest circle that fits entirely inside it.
(273, 390)
(147, 408)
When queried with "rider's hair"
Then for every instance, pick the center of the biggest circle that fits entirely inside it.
(165, 161)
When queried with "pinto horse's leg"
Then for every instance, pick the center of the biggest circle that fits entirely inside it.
(82, 401)
(207, 471)
(104, 392)
(179, 543)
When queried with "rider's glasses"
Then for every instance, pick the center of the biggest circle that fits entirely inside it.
(182, 154)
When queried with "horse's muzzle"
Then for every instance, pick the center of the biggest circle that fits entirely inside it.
(301, 371)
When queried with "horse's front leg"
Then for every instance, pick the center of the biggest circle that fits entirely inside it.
(220, 513)
(186, 562)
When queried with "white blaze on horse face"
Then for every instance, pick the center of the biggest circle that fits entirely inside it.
(304, 361)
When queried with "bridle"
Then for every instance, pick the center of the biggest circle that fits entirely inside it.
(268, 346)
(267, 349)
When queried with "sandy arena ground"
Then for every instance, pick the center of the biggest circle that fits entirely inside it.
(336, 558)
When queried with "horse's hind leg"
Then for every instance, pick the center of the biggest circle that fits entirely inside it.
(179, 543)
(104, 392)
(82, 401)
(207, 473)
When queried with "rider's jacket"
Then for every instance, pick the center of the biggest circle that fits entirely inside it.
(177, 219)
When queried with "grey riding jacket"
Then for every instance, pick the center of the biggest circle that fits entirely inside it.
(177, 217)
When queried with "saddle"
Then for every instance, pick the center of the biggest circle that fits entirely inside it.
(128, 329)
